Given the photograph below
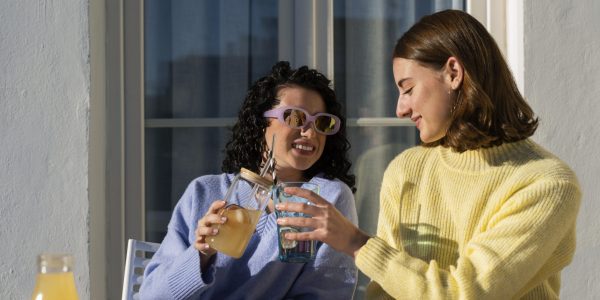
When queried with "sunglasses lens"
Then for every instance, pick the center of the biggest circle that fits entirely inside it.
(297, 119)
(325, 124)
(294, 118)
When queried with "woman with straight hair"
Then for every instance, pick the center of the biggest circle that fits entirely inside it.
(479, 210)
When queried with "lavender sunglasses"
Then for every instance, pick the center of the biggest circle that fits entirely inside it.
(298, 118)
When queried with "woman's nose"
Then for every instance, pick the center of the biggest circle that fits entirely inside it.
(308, 130)
(402, 109)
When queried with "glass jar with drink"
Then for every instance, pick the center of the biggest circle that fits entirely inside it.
(246, 199)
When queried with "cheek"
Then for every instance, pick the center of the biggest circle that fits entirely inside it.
(280, 133)
(268, 135)
(322, 142)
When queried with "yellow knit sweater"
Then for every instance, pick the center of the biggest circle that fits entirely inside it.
(494, 223)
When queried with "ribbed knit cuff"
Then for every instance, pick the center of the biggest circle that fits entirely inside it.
(373, 258)
(187, 280)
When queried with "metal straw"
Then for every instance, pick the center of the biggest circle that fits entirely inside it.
(269, 166)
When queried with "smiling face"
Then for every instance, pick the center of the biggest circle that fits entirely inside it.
(296, 150)
(425, 96)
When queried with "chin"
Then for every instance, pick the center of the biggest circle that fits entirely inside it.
(303, 167)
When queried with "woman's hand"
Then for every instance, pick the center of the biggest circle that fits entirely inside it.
(204, 230)
(329, 225)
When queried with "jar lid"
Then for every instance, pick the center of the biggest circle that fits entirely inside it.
(255, 178)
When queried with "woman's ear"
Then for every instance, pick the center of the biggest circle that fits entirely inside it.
(453, 72)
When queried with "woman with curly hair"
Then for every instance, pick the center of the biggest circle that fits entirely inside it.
(299, 107)
(479, 211)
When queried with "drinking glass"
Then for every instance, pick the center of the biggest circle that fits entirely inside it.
(290, 250)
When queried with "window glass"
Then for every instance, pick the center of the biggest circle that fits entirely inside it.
(200, 58)
(365, 33)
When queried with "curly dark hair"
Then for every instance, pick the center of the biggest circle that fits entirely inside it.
(489, 109)
(247, 146)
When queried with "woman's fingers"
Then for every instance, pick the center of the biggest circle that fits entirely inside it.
(211, 219)
(206, 231)
(204, 249)
(306, 208)
(306, 194)
(299, 222)
(215, 206)
(327, 223)
(205, 227)
(302, 236)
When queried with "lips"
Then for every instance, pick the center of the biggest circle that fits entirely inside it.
(417, 121)
(303, 147)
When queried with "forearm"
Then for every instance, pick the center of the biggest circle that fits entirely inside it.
(358, 240)
(178, 278)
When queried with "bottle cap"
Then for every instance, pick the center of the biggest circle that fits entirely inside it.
(55, 262)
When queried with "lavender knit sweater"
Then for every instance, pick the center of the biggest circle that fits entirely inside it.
(174, 272)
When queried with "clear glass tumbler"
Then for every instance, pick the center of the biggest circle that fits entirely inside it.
(290, 250)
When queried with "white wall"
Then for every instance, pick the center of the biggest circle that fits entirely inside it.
(44, 122)
(562, 83)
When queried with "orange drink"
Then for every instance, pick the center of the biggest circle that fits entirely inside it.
(55, 280)
(234, 235)
(246, 198)
(55, 286)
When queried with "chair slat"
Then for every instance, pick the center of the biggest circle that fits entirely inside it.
(133, 262)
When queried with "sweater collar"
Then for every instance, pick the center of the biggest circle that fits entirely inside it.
(483, 159)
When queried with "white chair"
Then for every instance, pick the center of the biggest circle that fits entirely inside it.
(138, 257)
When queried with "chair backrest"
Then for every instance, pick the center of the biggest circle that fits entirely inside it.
(138, 256)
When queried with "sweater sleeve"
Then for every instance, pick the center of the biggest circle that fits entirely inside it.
(332, 275)
(501, 262)
(174, 271)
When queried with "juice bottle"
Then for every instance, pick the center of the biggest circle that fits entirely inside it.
(55, 279)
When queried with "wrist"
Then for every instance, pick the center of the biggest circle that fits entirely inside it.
(205, 260)
(360, 239)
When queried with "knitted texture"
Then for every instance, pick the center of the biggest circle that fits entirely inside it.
(174, 271)
(493, 223)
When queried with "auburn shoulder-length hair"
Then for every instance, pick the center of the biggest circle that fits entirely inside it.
(247, 147)
(489, 109)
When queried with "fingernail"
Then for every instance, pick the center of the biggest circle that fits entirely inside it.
(278, 206)
(280, 221)
(206, 246)
(223, 219)
(215, 231)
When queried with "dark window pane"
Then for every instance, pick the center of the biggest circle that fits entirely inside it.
(200, 57)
